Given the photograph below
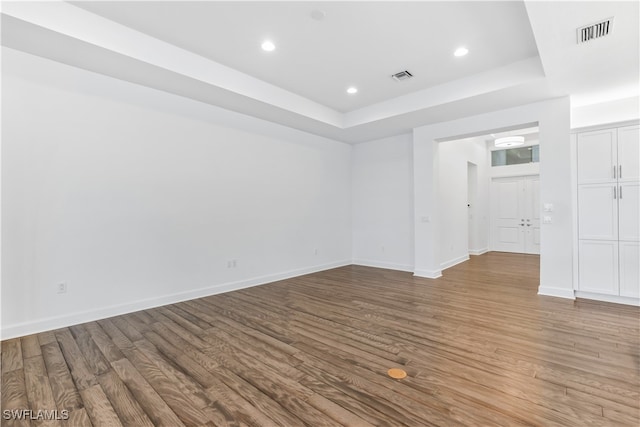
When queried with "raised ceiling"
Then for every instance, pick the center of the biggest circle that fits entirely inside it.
(519, 52)
(357, 43)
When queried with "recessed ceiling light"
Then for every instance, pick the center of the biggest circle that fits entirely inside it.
(352, 90)
(318, 14)
(268, 46)
(461, 51)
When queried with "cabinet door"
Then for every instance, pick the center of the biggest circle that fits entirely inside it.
(630, 269)
(598, 266)
(598, 208)
(597, 156)
(629, 153)
(629, 211)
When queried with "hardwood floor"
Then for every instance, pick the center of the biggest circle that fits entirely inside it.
(479, 346)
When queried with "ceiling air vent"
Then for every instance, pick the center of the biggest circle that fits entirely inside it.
(402, 75)
(594, 31)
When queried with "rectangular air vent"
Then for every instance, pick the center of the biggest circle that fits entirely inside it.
(594, 31)
(402, 75)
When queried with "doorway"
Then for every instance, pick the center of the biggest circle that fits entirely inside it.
(515, 214)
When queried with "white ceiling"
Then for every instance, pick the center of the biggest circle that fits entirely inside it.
(357, 43)
(520, 52)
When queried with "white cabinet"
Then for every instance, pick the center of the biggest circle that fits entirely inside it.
(609, 211)
(629, 153)
(629, 272)
(598, 207)
(599, 266)
(597, 156)
(629, 211)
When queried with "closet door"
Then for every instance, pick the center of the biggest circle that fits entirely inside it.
(630, 269)
(629, 211)
(597, 156)
(598, 266)
(598, 207)
(629, 153)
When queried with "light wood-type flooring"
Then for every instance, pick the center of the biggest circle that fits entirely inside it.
(479, 346)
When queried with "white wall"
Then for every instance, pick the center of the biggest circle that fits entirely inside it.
(137, 198)
(555, 187)
(382, 203)
(515, 170)
(134, 206)
(614, 111)
(452, 200)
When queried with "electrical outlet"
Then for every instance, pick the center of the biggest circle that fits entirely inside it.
(232, 263)
(62, 287)
(315, 251)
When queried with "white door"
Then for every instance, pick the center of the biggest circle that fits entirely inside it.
(598, 207)
(629, 153)
(630, 269)
(629, 211)
(507, 215)
(532, 220)
(598, 266)
(515, 215)
(597, 156)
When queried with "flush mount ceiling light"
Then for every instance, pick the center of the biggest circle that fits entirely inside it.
(352, 90)
(318, 14)
(461, 51)
(509, 141)
(268, 46)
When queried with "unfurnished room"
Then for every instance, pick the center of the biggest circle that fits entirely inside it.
(320, 213)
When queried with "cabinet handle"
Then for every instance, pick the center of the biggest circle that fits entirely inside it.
(620, 193)
(620, 172)
(614, 172)
(614, 192)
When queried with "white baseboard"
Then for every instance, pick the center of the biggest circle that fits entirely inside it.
(478, 251)
(429, 274)
(382, 264)
(453, 262)
(609, 298)
(556, 292)
(56, 322)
